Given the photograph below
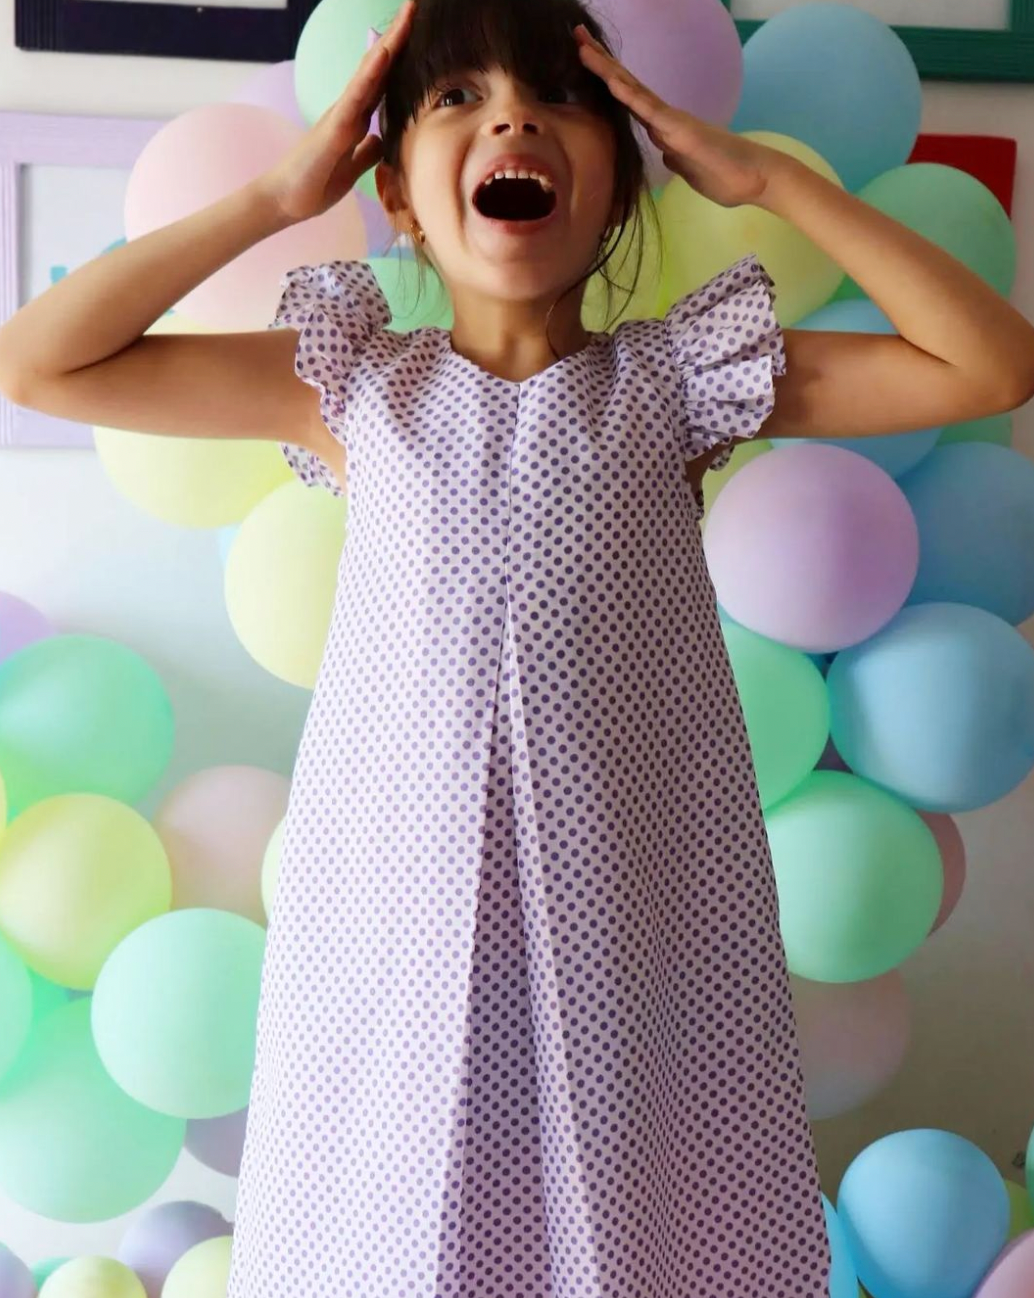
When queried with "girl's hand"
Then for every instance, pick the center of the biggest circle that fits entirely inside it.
(327, 161)
(719, 164)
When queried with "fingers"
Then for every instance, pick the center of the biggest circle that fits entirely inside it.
(641, 102)
(364, 90)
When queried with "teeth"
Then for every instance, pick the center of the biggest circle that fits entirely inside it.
(514, 174)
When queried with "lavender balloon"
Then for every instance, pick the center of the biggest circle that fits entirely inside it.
(159, 1237)
(273, 87)
(20, 624)
(218, 1142)
(815, 547)
(16, 1280)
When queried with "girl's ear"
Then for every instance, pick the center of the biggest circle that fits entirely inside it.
(389, 191)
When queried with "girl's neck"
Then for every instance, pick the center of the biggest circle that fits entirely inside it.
(511, 343)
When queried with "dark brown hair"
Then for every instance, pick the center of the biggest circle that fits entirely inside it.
(533, 41)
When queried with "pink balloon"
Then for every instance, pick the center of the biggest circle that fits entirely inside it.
(273, 87)
(202, 156)
(853, 1036)
(815, 547)
(953, 857)
(687, 51)
(1012, 1275)
(215, 827)
(21, 624)
(218, 1143)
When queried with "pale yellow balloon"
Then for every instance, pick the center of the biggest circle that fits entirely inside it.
(78, 873)
(190, 481)
(702, 238)
(3, 805)
(621, 270)
(271, 868)
(715, 479)
(202, 1272)
(93, 1277)
(281, 576)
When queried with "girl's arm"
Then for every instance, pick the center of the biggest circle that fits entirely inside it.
(963, 351)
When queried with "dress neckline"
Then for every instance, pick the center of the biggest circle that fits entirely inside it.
(445, 338)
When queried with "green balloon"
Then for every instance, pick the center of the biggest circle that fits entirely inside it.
(175, 1010)
(81, 714)
(397, 277)
(785, 705)
(46, 996)
(996, 429)
(952, 209)
(329, 50)
(1029, 1169)
(45, 1269)
(15, 1005)
(73, 1146)
(859, 877)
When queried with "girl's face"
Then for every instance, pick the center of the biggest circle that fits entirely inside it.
(476, 123)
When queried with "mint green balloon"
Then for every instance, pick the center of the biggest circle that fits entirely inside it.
(81, 714)
(785, 705)
(175, 1010)
(859, 877)
(397, 277)
(44, 1270)
(15, 1005)
(46, 996)
(952, 209)
(995, 429)
(329, 50)
(73, 1145)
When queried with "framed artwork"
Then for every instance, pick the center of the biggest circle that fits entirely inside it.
(950, 40)
(252, 31)
(62, 198)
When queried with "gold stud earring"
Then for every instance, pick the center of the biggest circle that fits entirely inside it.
(418, 234)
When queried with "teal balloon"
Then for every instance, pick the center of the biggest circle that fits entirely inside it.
(329, 51)
(74, 1146)
(175, 1009)
(399, 282)
(974, 504)
(995, 429)
(843, 1278)
(938, 707)
(925, 1213)
(15, 1005)
(838, 79)
(895, 453)
(785, 706)
(44, 1270)
(46, 995)
(859, 877)
(952, 209)
(81, 714)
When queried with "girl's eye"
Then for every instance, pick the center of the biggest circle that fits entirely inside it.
(442, 95)
(560, 90)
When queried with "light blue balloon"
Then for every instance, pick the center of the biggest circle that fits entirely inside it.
(938, 707)
(843, 1278)
(839, 79)
(896, 453)
(925, 1214)
(226, 537)
(974, 504)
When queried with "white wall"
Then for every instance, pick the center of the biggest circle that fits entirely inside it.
(75, 547)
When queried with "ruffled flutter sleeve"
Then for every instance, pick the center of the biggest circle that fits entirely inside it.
(337, 307)
(727, 348)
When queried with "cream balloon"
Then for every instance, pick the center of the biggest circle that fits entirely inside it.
(215, 826)
(271, 868)
(702, 238)
(78, 872)
(93, 1277)
(190, 481)
(281, 577)
(202, 1272)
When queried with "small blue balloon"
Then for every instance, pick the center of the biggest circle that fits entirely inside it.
(843, 1278)
(226, 537)
(974, 503)
(925, 1213)
(896, 453)
(938, 707)
(840, 80)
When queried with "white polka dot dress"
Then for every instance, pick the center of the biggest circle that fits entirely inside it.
(526, 1027)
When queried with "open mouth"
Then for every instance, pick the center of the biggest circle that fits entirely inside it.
(515, 198)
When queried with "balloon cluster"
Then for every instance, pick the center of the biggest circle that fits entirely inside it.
(870, 593)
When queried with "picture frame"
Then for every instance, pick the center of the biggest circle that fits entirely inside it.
(73, 214)
(959, 54)
(220, 29)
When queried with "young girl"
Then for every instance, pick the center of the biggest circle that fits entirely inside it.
(526, 1028)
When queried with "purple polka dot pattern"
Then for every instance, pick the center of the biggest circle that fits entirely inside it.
(526, 1027)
